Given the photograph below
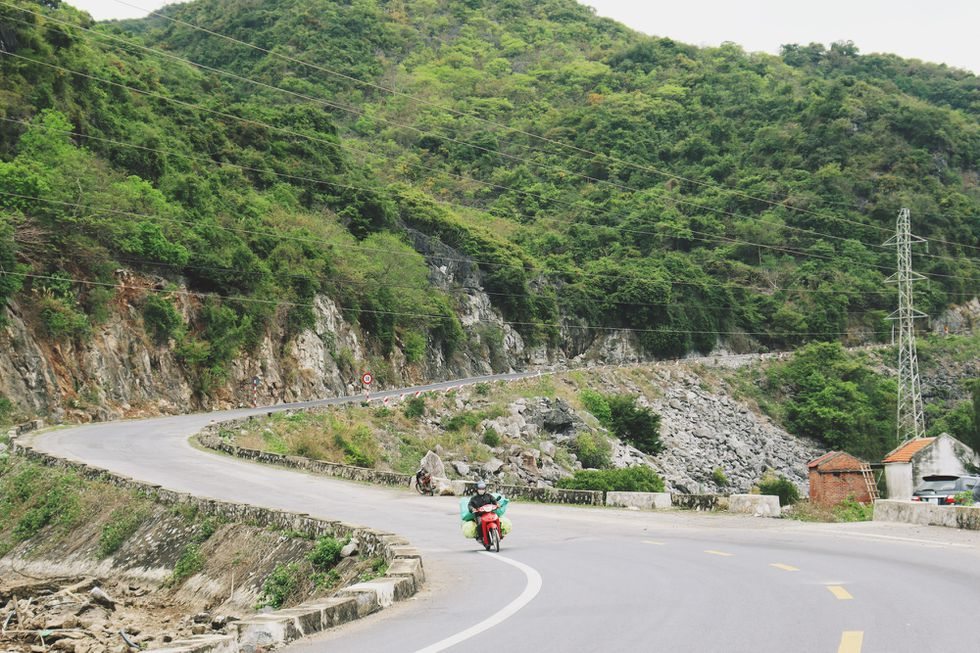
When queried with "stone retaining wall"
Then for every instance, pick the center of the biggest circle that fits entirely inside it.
(543, 494)
(699, 501)
(209, 437)
(927, 514)
(403, 579)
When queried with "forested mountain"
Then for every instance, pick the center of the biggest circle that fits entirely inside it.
(262, 153)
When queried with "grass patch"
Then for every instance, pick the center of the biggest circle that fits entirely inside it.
(377, 569)
(325, 553)
(189, 563)
(848, 510)
(279, 586)
(123, 522)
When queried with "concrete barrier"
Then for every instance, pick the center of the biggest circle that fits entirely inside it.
(928, 514)
(641, 500)
(759, 505)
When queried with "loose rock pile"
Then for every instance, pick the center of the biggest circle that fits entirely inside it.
(91, 615)
(702, 430)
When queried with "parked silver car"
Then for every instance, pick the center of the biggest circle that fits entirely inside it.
(942, 489)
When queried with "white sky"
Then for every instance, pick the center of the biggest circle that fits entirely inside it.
(942, 32)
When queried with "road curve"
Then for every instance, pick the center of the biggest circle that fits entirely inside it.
(610, 580)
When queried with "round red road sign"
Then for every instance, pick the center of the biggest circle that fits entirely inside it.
(366, 379)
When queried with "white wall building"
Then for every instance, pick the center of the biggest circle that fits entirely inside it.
(907, 465)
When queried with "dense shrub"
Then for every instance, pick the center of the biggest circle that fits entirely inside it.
(491, 438)
(780, 487)
(60, 320)
(630, 479)
(279, 586)
(463, 421)
(162, 320)
(325, 553)
(598, 405)
(832, 396)
(592, 449)
(718, 476)
(414, 407)
(637, 425)
(6, 410)
(414, 345)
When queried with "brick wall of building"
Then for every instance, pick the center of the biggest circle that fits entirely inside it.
(833, 487)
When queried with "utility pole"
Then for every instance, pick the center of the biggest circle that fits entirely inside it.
(910, 419)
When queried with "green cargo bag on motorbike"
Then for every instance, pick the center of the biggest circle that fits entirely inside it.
(464, 506)
(502, 502)
(469, 529)
(464, 509)
(505, 526)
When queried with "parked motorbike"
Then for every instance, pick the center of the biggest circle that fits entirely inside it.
(488, 527)
(423, 482)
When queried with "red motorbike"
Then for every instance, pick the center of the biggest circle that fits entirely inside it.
(488, 527)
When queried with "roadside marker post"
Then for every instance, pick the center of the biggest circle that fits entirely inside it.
(367, 379)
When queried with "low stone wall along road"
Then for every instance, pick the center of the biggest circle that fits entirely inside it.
(592, 578)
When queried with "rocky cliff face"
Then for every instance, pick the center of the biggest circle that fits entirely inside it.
(120, 372)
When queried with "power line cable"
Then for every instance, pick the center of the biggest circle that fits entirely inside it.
(702, 236)
(441, 257)
(660, 197)
(487, 121)
(558, 325)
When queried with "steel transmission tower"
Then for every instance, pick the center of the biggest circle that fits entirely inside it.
(910, 419)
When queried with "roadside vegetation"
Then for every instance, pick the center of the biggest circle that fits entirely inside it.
(779, 486)
(848, 510)
(628, 479)
(50, 509)
(398, 436)
(846, 399)
(259, 216)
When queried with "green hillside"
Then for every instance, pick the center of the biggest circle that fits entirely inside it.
(597, 177)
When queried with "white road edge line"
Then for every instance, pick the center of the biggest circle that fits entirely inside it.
(530, 591)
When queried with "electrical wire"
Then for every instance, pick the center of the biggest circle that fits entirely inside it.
(557, 325)
(709, 237)
(456, 112)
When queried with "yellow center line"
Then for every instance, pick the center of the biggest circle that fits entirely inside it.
(779, 565)
(851, 641)
(653, 542)
(718, 553)
(839, 592)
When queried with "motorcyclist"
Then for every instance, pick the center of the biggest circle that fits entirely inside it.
(477, 501)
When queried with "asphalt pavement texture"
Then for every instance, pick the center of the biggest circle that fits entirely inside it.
(594, 579)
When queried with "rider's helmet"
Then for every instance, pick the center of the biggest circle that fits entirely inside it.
(481, 487)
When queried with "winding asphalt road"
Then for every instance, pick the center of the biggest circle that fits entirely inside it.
(590, 579)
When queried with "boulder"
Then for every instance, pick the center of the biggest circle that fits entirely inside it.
(433, 464)
(349, 549)
(103, 599)
(529, 462)
(461, 468)
(493, 466)
(548, 449)
(559, 419)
